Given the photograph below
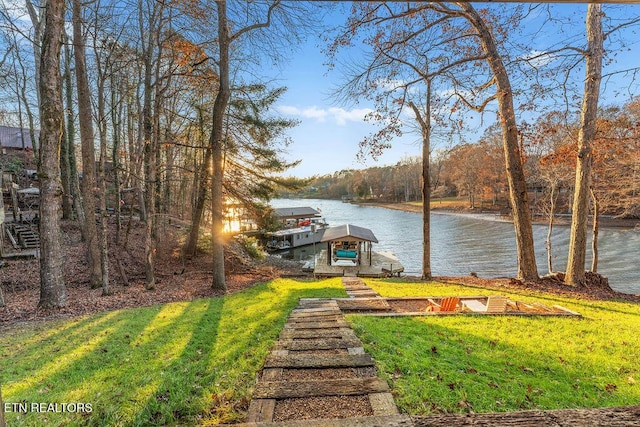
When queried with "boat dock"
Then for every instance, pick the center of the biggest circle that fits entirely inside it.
(383, 264)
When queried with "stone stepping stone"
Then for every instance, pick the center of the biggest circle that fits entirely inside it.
(315, 318)
(317, 325)
(343, 387)
(317, 333)
(317, 344)
(315, 361)
(315, 338)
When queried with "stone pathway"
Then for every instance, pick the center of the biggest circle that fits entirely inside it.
(318, 375)
(318, 365)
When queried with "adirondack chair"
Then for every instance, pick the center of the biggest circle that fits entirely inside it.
(496, 304)
(448, 304)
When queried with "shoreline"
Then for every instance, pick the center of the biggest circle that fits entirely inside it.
(560, 220)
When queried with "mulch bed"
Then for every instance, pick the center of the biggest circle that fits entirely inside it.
(332, 351)
(327, 374)
(306, 408)
(408, 306)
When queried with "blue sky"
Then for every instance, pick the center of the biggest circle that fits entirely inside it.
(326, 140)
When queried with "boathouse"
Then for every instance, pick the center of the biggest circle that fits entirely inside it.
(296, 216)
(349, 243)
(349, 253)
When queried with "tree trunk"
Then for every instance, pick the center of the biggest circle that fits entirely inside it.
(70, 134)
(116, 115)
(88, 149)
(217, 150)
(198, 212)
(52, 287)
(150, 33)
(67, 145)
(596, 229)
(39, 22)
(102, 194)
(425, 127)
(575, 274)
(201, 185)
(150, 187)
(527, 268)
(552, 212)
(76, 195)
(426, 193)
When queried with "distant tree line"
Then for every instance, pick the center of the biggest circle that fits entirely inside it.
(475, 171)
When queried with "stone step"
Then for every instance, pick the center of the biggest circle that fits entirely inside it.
(341, 387)
(317, 333)
(317, 325)
(317, 344)
(315, 361)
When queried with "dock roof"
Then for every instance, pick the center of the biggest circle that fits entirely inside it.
(296, 212)
(348, 230)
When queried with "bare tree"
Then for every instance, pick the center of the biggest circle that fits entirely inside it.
(424, 120)
(575, 274)
(67, 152)
(228, 35)
(454, 49)
(527, 268)
(52, 287)
(88, 149)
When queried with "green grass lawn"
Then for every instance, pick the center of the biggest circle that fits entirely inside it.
(196, 362)
(189, 362)
(505, 363)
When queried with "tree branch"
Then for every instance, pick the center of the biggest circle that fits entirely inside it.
(265, 24)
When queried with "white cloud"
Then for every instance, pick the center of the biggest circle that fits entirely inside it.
(538, 58)
(390, 84)
(342, 116)
(338, 115)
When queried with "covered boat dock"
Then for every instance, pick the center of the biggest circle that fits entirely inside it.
(349, 253)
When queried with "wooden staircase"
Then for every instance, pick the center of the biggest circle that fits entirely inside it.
(22, 236)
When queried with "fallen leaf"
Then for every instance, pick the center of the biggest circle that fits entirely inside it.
(464, 404)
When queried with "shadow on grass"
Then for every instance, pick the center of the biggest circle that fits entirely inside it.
(498, 364)
(187, 362)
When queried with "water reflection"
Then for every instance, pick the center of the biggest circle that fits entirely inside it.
(466, 243)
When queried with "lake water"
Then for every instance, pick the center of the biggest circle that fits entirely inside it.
(461, 244)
